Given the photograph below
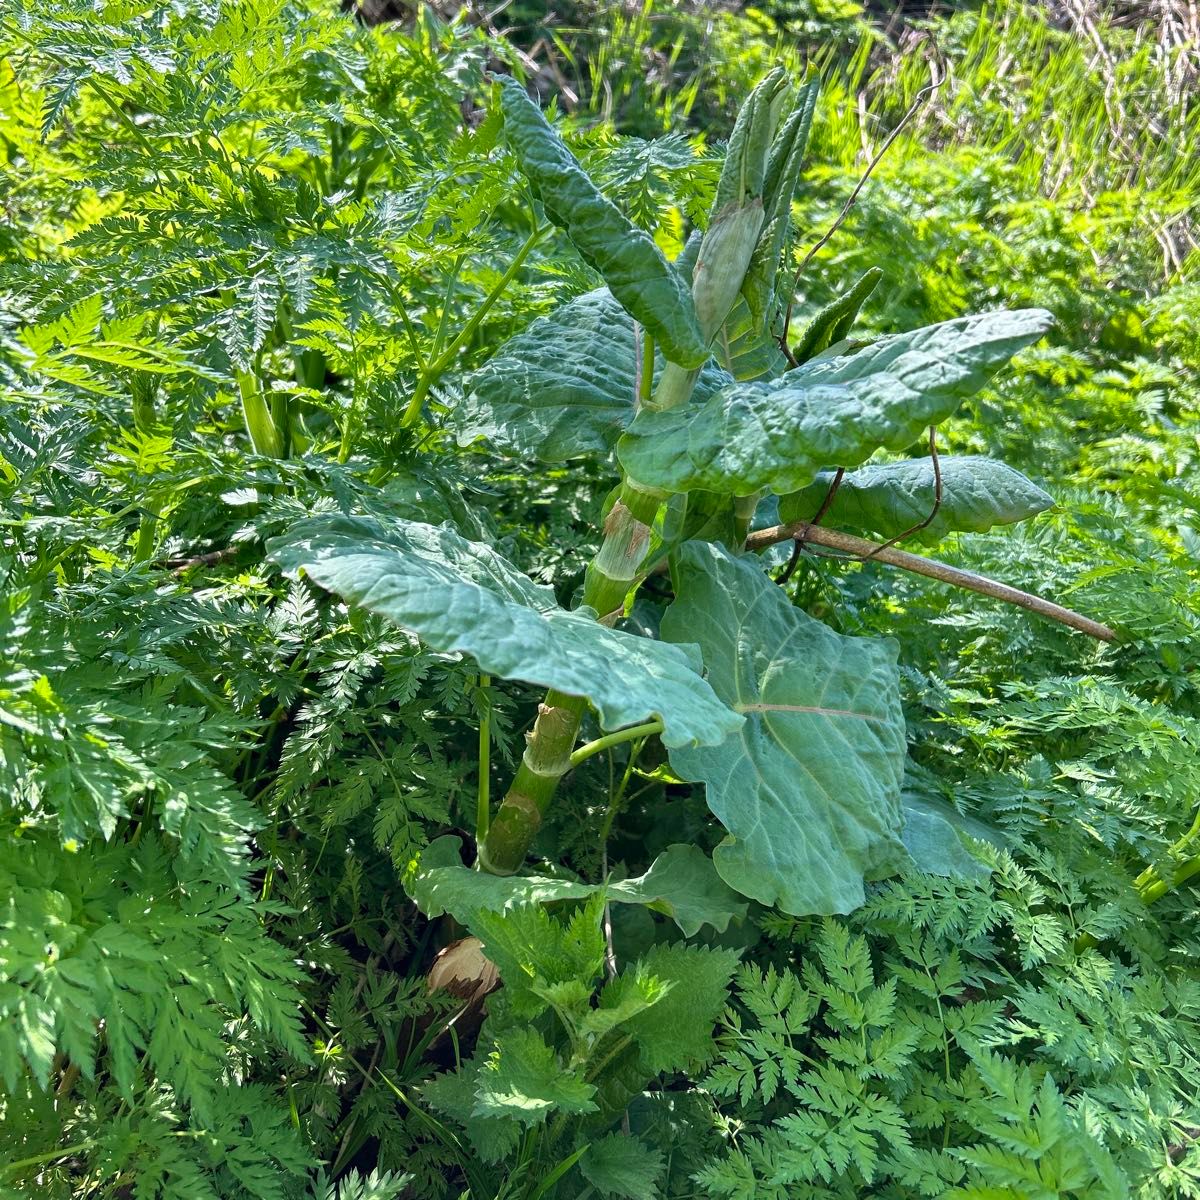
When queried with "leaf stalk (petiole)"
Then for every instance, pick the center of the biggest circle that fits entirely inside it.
(633, 732)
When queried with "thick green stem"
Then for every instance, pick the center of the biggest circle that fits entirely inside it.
(1151, 886)
(611, 576)
(143, 550)
(674, 387)
(646, 379)
(483, 798)
(546, 760)
(281, 418)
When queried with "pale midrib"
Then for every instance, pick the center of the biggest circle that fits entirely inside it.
(804, 708)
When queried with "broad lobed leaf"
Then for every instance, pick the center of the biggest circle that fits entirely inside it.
(831, 411)
(890, 498)
(565, 386)
(463, 597)
(809, 787)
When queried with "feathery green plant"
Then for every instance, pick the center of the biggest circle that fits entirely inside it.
(844, 883)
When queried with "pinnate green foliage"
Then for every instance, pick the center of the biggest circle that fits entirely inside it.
(759, 288)
(887, 1085)
(240, 243)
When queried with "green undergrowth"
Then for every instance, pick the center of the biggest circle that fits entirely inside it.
(256, 259)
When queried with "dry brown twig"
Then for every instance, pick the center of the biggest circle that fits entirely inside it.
(861, 548)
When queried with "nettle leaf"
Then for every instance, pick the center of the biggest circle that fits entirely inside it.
(453, 1093)
(618, 1165)
(627, 257)
(675, 1033)
(834, 411)
(809, 787)
(463, 597)
(539, 955)
(890, 498)
(565, 386)
(682, 883)
(522, 1079)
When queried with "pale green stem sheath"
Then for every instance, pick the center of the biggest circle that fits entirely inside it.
(615, 570)
(724, 259)
(743, 515)
(646, 381)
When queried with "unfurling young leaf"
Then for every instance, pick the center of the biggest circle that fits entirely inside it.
(783, 174)
(738, 209)
(833, 322)
(632, 265)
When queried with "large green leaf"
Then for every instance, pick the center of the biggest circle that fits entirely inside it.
(834, 411)
(933, 836)
(809, 787)
(889, 498)
(461, 596)
(681, 883)
(563, 387)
